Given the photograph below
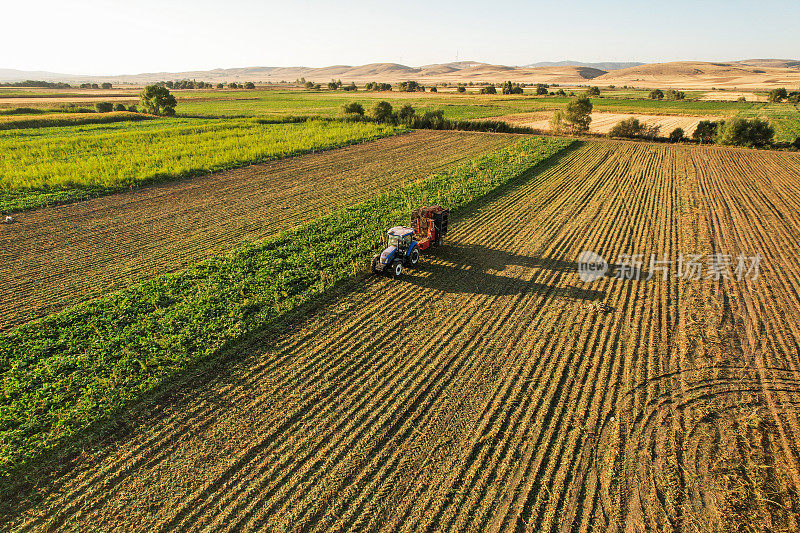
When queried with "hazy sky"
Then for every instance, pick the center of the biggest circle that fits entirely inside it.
(113, 37)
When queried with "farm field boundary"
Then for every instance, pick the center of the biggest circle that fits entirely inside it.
(66, 372)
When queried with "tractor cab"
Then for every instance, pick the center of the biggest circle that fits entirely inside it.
(400, 237)
(401, 250)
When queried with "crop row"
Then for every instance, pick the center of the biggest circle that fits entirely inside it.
(67, 371)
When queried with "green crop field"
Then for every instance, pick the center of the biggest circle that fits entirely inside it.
(281, 103)
(46, 165)
(785, 117)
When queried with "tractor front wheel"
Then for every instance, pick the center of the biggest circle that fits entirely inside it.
(397, 269)
(414, 257)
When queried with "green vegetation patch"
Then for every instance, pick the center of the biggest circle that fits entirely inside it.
(55, 165)
(52, 120)
(63, 373)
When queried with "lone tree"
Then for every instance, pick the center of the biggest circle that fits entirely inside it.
(461, 89)
(575, 118)
(489, 89)
(656, 94)
(249, 85)
(382, 112)
(105, 85)
(777, 95)
(593, 91)
(541, 88)
(157, 100)
(104, 107)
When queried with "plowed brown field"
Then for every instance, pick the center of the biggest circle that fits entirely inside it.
(53, 258)
(479, 393)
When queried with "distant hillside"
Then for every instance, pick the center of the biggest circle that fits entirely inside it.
(703, 75)
(11, 75)
(774, 63)
(600, 66)
(455, 72)
(746, 74)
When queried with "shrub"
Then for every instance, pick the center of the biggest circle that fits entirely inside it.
(375, 86)
(119, 107)
(561, 92)
(406, 113)
(629, 128)
(157, 100)
(309, 85)
(220, 85)
(741, 99)
(332, 85)
(593, 91)
(410, 86)
(489, 89)
(510, 88)
(674, 95)
(796, 143)
(461, 89)
(382, 112)
(353, 108)
(676, 135)
(249, 85)
(705, 131)
(431, 119)
(777, 95)
(132, 108)
(351, 87)
(104, 107)
(656, 94)
(746, 132)
(105, 85)
(541, 89)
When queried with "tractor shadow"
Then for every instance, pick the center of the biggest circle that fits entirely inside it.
(468, 268)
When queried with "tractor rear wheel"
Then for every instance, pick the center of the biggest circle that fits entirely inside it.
(375, 261)
(397, 269)
(414, 257)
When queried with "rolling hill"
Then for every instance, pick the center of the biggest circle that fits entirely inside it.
(705, 75)
(745, 74)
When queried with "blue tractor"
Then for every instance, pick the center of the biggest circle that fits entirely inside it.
(401, 250)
